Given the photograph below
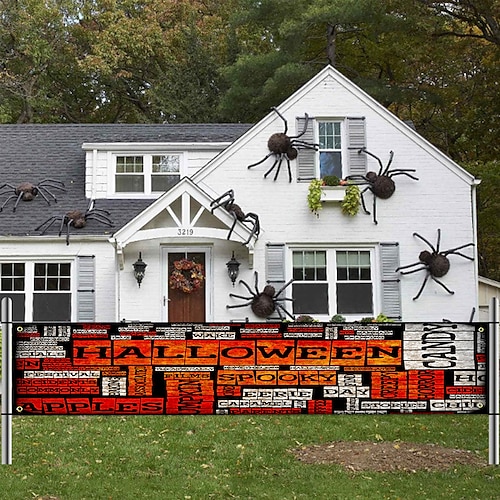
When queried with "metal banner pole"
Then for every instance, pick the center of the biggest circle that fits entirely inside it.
(493, 383)
(7, 360)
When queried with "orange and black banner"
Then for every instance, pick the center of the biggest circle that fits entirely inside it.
(243, 368)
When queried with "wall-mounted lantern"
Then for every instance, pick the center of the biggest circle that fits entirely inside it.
(233, 269)
(139, 269)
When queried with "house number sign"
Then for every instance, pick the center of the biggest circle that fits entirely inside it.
(185, 231)
(249, 368)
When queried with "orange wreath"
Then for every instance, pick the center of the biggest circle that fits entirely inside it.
(186, 276)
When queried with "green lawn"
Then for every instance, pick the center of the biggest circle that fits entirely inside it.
(225, 457)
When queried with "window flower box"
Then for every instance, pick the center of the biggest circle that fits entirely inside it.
(332, 193)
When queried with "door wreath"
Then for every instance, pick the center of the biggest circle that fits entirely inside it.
(187, 276)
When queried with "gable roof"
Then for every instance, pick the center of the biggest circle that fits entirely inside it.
(330, 74)
(185, 208)
(31, 153)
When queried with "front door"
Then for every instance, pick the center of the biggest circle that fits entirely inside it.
(186, 303)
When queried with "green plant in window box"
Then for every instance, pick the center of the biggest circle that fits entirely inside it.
(337, 318)
(381, 318)
(305, 318)
(352, 200)
(314, 196)
(331, 180)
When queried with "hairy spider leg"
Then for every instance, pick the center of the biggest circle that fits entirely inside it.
(363, 204)
(278, 161)
(281, 116)
(304, 145)
(431, 246)
(7, 201)
(254, 219)
(424, 267)
(453, 251)
(48, 223)
(451, 292)
(225, 200)
(261, 161)
(99, 217)
(401, 171)
(279, 308)
(282, 288)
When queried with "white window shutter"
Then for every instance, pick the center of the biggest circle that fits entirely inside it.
(86, 288)
(356, 140)
(390, 289)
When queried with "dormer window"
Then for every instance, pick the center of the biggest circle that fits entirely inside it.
(147, 174)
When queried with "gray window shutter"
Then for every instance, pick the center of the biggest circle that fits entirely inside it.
(391, 292)
(306, 166)
(275, 267)
(356, 139)
(86, 288)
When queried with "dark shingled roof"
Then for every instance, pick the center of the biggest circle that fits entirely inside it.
(31, 153)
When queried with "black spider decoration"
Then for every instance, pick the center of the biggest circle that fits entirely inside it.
(381, 183)
(284, 147)
(436, 263)
(28, 192)
(227, 201)
(77, 219)
(264, 303)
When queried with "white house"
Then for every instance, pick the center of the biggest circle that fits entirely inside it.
(151, 190)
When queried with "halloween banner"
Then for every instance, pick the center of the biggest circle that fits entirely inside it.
(249, 368)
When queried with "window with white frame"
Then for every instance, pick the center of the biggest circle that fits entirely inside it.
(40, 291)
(52, 291)
(330, 148)
(147, 174)
(12, 285)
(332, 281)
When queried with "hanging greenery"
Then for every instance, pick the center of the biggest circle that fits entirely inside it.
(187, 276)
(352, 200)
(314, 196)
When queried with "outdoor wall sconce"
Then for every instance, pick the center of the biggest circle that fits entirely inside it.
(233, 269)
(139, 269)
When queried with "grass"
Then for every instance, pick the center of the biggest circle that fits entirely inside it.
(227, 457)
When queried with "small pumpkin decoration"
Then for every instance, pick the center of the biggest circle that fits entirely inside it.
(186, 276)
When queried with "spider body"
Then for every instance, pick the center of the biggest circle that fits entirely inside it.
(380, 184)
(435, 263)
(76, 219)
(226, 201)
(26, 191)
(284, 147)
(263, 303)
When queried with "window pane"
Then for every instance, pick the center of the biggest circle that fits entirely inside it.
(39, 283)
(19, 284)
(309, 274)
(330, 163)
(365, 273)
(166, 163)
(129, 164)
(17, 305)
(161, 183)
(342, 273)
(129, 183)
(52, 269)
(298, 274)
(7, 269)
(64, 284)
(19, 269)
(309, 259)
(52, 284)
(310, 298)
(6, 284)
(40, 270)
(341, 258)
(298, 259)
(321, 273)
(65, 269)
(364, 258)
(354, 298)
(52, 307)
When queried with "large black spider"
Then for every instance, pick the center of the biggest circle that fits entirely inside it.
(264, 303)
(284, 147)
(28, 192)
(436, 263)
(77, 219)
(381, 183)
(227, 201)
